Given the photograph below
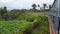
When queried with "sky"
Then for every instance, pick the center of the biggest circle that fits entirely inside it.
(23, 4)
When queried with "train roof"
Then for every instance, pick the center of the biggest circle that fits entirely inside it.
(54, 3)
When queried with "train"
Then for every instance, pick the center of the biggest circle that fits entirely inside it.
(54, 13)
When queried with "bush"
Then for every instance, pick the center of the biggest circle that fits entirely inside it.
(30, 19)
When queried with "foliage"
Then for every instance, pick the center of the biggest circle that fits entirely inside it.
(34, 6)
(50, 6)
(38, 5)
(8, 27)
(41, 11)
(22, 23)
(43, 28)
(44, 5)
(3, 13)
(28, 17)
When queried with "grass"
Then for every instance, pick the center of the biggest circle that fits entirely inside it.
(24, 22)
(43, 28)
(8, 27)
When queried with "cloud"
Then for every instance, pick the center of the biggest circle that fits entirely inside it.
(11, 4)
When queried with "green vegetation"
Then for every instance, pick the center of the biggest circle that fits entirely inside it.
(25, 24)
(43, 28)
(11, 27)
(24, 21)
(41, 10)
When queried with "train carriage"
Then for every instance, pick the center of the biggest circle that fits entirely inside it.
(55, 14)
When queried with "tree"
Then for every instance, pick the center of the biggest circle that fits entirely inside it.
(34, 6)
(5, 9)
(50, 6)
(1, 12)
(44, 5)
(38, 6)
(5, 13)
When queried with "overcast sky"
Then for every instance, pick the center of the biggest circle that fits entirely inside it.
(20, 4)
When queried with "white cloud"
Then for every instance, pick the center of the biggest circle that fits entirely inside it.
(11, 4)
(4, 0)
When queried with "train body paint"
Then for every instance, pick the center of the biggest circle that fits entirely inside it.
(55, 15)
